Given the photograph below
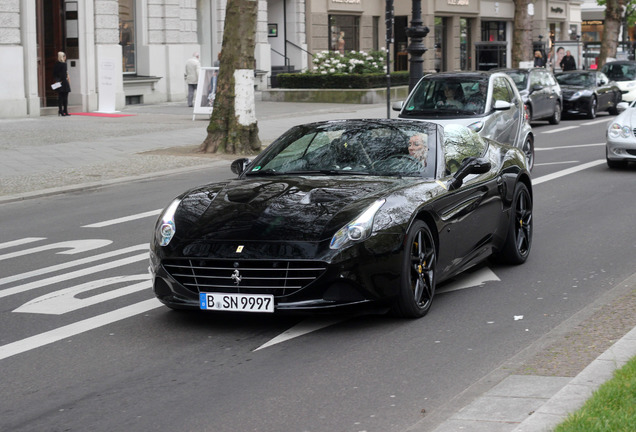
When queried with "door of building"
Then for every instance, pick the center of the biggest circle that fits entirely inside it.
(49, 27)
(490, 55)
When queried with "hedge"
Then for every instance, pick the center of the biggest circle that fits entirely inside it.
(340, 81)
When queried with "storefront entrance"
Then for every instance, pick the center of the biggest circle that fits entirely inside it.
(50, 32)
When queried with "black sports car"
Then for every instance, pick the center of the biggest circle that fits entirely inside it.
(345, 214)
(588, 92)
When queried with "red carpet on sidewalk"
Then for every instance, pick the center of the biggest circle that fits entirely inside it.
(96, 114)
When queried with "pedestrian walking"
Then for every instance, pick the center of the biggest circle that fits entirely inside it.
(192, 69)
(539, 61)
(568, 62)
(61, 84)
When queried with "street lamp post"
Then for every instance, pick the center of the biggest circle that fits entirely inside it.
(416, 48)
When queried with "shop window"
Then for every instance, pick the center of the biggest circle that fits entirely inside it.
(440, 24)
(344, 33)
(464, 45)
(493, 31)
(127, 35)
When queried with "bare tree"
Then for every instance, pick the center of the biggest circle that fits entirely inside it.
(611, 27)
(233, 127)
(522, 34)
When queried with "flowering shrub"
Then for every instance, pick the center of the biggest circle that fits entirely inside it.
(352, 62)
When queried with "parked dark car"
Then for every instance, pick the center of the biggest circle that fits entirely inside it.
(540, 92)
(588, 92)
(487, 102)
(345, 214)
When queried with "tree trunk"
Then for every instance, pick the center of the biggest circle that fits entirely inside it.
(233, 127)
(611, 27)
(522, 34)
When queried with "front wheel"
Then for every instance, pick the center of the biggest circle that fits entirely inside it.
(556, 116)
(417, 284)
(591, 111)
(516, 248)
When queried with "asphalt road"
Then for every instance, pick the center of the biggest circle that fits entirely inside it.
(84, 346)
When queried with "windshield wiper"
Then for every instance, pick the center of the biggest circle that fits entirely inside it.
(328, 172)
(267, 172)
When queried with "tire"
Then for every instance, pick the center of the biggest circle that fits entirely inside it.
(528, 150)
(417, 283)
(615, 164)
(613, 110)
(516, 248)
(591, 110)
(556, 116)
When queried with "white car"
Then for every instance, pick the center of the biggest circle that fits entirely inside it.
(624, 73)
(488, 103)
(620, 145)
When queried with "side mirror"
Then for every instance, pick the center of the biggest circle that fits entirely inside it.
(470, 165)
(622, 106)
(502, 105)
(537, 87)
(397, 106)
(239, 165)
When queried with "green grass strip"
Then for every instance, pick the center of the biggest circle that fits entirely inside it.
(612, 408)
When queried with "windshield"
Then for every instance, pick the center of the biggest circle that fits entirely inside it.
(447, 97)
(352, 148)
(620, 71)
(575, 79)
(520, 79)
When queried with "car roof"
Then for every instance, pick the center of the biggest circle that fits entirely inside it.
(620, 62)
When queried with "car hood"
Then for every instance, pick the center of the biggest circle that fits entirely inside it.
(626, 118)
(281, 208)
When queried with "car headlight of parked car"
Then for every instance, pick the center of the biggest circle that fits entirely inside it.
(358, 229)
(582, 93)
(618, 131)
(166, 227)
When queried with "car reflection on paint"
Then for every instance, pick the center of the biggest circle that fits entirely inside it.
(345, 215)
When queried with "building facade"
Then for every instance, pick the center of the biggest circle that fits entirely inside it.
(133, 51)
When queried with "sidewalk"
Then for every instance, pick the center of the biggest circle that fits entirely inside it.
(51, 155)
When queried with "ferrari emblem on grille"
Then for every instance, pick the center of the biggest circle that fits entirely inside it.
(236, 277)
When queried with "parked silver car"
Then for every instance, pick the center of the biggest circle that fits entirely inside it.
(620, 145)
(486, 102)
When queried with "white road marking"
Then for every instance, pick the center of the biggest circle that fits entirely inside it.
(65, 300)
(123, 219)
(20, 242)
(562, 129)
(557, 163)
(569, 147)
(67, 276)
(568, 171)
(74, 246)
(58, 267)
(76, 328)
(598, 121)
(475, 279)
(304, 327)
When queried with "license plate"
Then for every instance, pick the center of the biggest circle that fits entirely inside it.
(236, 302)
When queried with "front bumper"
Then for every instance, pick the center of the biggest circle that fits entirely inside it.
(363, 276)
(621, 149)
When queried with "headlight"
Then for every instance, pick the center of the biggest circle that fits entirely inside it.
(616, 131)
(358, 229)
(476, 127)
(581, 93)
(166, 227)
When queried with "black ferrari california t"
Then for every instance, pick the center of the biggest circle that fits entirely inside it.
(345, 215)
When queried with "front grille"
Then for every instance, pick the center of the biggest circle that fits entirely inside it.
(279, 278)
(631, 152)
(634, 131)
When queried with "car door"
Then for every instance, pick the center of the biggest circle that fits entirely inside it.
(470, 215)
(508, 120)
(538, 95)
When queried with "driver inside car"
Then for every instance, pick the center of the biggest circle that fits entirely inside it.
(418, 149)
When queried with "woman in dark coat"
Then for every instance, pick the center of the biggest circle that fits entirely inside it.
(60, 75)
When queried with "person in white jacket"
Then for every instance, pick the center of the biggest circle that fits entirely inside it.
(192, 69)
